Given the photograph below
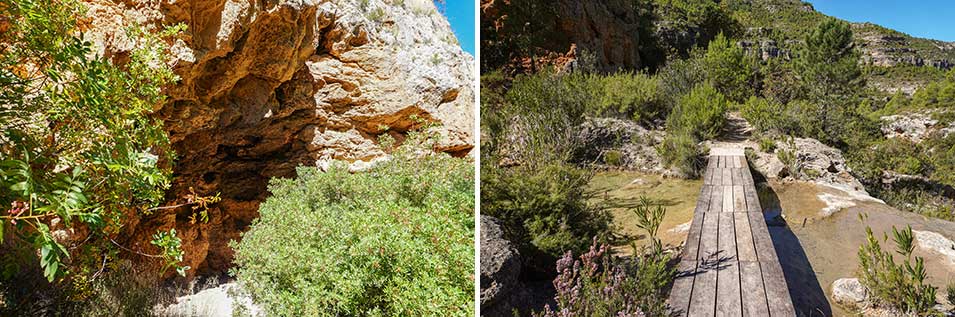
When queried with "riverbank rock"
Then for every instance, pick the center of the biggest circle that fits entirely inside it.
(631, 145)
(500, 264)
(225, 300)
(266, 86)
(849, 292)
(815, 162)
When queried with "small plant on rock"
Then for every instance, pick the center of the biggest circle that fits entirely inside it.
(900, 286)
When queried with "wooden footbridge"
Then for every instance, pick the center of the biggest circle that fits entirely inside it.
(729, 266)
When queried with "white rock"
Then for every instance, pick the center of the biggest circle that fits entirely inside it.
(212, 302)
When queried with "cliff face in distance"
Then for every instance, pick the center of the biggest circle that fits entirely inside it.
(560, 33)
(270, 85)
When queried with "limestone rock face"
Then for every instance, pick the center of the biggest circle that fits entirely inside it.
(270, 85)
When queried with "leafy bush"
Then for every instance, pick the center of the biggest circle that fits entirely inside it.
(767, 115)
(901, 286)
(635, 96)
(80, 148)
(527, 180)
(767, 145)
(396, 240)
(680, 150)
(544, 208)
(699, 113)
(613, 157)
(600, 285)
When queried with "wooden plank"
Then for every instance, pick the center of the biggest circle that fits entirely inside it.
(729, 301)
(739, 201)
(745, 249)
(717, 178)
(682, 288)
(752, 199)
(722, 162)
(727, 176)
(761, 239)
(737, 176)
(754, 295)
(737, 161)
(777, 293)
(727, 198)
(727, 238)
(691, 249)
(716, 199)
(703, 299)
(747, 174)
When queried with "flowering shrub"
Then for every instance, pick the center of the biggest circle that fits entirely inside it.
(600, 285)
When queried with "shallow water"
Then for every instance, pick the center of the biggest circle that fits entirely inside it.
(678, 196)
(825, 249)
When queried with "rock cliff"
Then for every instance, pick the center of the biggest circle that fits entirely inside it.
(270, 85)
(562, 34)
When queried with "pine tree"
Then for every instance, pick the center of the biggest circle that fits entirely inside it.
(828, 63)
(728, 70)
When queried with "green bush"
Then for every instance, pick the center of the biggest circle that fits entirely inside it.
(767, 145)
(613, 157)
(901, 286)
(767, 115)
(635, 96)
(680, 150)
(699, 113)
(528, 180)
(80, 144)
(545, 207)
(396, 240)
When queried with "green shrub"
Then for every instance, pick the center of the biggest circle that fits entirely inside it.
(950, 293)
(699, 113)
(545, 207)
(787, 156)
(81, 146)
(680, 150)
(901, 286)
(396, 240)
(635, 96)
(766, 115)
(767, 145)
(613, 157)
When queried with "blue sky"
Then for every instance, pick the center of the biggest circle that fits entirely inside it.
(934, 19)
(461, 15)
